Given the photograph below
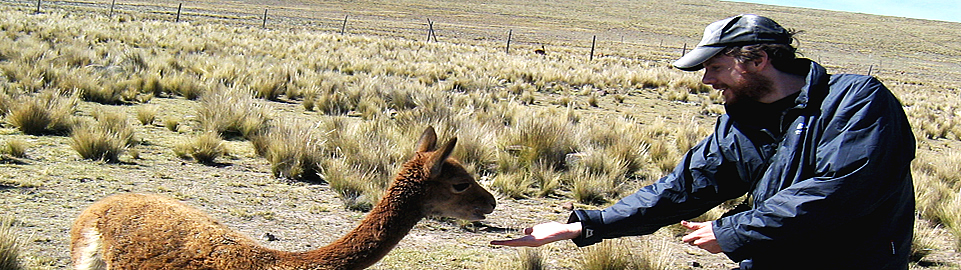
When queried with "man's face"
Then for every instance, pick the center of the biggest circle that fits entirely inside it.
(737, 81)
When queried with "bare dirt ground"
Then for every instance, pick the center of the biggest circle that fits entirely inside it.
(46, 190)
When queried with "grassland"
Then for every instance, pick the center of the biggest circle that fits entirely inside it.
(293, 130)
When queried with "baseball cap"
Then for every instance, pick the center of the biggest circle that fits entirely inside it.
(740, 30)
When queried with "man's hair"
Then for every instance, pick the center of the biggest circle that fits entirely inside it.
(783, 56)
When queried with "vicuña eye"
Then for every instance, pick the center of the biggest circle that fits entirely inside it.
(461, 187)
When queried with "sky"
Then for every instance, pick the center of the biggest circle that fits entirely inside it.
(941, 10)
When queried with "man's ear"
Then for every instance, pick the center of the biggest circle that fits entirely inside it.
(761, 62)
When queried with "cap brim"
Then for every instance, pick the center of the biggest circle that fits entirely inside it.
(694, 60)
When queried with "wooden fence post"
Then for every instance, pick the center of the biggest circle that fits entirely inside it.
(684, 50)
(343, 27)
(430, 29)
(38, 6)
(870, 69)
(593, 41)
(179, 7)
(510, 33)
(265, 18)
(112, 3)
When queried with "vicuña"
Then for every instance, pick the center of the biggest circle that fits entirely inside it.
(137, 231)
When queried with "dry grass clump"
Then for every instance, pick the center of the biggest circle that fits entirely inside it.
(593, 188)
(10, 245)
(542, 138)
(515, 185)
(95, 142)
(204, 148)
(609, 254)
(950, 216)
(16, 148)
(232, 113)
(357, 188)
(923, 242)
(655, 254)
(172, 123)
(519, 258)
(105, 139)
(373, 147)
(293, 148)
(48, 112)
(938, 191)
(146, 114)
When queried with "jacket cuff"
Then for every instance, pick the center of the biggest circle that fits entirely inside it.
(590, 220)
(729, 240)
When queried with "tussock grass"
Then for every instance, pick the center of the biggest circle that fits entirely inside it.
(46, 113)
(541, 139)
(232, 113)
(146, 114)
(103, 140)
(655, 254)
(11, 245)
(117, 124)
(354, 186)
(94, 142)
(548, 182)
(7, 99)
(476, 146)
(593, 188)
(923, 242)
(204, 148)
(522, 259)
(172, 123)
(293, 148)
(950, 215)
(609, 254)
(514, 185)
(15, 148)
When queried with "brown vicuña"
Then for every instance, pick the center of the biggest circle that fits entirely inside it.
(136, 231)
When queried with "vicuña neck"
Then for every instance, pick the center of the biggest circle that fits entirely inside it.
(370, 241)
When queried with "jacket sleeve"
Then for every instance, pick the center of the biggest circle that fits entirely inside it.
(707, 176)
(857, 163)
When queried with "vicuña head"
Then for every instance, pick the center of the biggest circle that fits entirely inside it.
(136, 231)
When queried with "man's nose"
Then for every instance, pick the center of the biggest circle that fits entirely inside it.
(707, 79)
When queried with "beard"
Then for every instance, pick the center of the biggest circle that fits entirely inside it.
(752, 87)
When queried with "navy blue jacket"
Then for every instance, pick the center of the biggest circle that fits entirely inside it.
(829, 178)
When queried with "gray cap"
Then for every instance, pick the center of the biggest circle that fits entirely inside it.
(740, 30)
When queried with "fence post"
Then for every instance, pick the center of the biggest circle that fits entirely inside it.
(870, 69)
(265, 18)
(510, 33)
(593, 41)
(432, 34)
(179, 7)
(38, 6)
(684, 50)
(430, 29)
(343, 27)
(112, 3)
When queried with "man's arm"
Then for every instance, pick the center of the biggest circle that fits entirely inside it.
(542, 234)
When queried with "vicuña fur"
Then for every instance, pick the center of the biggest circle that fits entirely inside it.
(136, 231)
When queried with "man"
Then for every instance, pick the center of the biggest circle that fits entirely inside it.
(825, 161)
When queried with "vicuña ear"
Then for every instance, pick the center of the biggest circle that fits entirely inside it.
(427, 141)
(437, 161)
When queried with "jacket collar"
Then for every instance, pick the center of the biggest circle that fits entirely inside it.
(815, 87)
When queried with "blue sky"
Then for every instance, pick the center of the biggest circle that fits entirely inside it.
(941, 10)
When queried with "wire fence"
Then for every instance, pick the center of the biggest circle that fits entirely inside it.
(523, 39)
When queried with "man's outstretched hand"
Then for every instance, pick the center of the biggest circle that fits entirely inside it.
(702, 236)
(542, 234)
